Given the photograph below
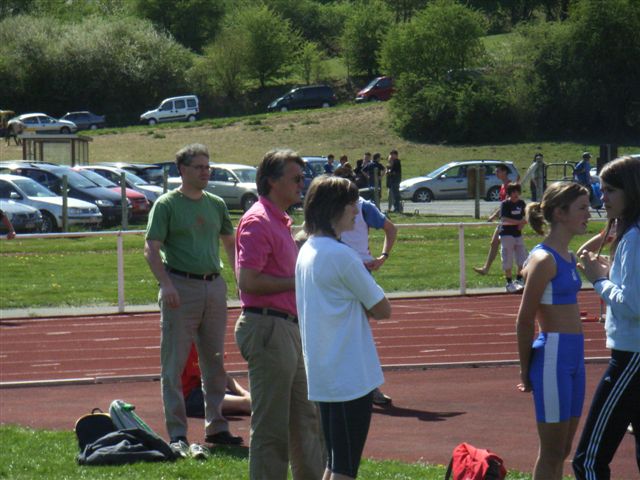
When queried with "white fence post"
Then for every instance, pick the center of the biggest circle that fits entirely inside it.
(120, 273)
(463, 275)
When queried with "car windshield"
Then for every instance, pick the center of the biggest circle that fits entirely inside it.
(438, 171)
(75, 179)
(246, 175)
(133, 178)
(371, 84)
(317, 167)
(97, 179)
(31, 188)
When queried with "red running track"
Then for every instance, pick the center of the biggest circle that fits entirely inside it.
(422, 331)
(433, 408)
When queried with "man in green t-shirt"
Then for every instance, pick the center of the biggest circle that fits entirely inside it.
(182, 249)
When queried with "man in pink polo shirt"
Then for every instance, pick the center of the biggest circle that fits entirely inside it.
(284, 423)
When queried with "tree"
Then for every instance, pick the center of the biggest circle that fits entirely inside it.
(443, 37)
(362, 36)
(193, 23)
(310, 61)
(269, 41)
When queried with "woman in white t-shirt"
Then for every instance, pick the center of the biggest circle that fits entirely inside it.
(335, 295)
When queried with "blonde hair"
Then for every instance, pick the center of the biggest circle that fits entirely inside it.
(557, 195)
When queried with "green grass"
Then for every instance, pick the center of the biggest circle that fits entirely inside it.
(46, 273)
(27, 454)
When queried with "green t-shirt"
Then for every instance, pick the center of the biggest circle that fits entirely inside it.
(190, 231)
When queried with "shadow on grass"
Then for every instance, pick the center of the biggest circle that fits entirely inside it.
(422, 415)
(237, 452)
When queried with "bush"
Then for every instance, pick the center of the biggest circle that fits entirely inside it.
(116, 66)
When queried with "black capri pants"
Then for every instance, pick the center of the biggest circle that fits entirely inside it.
(345, 426)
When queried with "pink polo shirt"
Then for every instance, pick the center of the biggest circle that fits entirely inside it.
(264, 243)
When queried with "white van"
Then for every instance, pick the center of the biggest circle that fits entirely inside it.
(173, 109)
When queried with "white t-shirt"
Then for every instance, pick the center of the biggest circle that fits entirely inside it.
(332, 286)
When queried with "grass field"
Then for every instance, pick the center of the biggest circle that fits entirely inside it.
(45, 272)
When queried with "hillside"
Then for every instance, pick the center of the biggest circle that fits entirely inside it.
(349, 129)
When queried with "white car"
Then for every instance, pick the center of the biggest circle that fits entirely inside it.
(234, 183)
(40, 123)
(29, 192)
(134, 182)
(173, 109)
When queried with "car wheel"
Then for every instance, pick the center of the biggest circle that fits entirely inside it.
(65, 130)
(493, 195)
(93, 126)
(191, 118)
(284, 109)
(325, 105)
(152, 121)
(423, 195)
(49, 224)
(247, 201)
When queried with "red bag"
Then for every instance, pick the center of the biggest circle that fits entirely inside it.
(471, 463)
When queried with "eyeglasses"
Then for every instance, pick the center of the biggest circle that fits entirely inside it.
(298, 178)
(200, 168)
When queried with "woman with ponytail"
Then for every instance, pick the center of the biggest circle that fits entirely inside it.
(552, 365)
(616, 403)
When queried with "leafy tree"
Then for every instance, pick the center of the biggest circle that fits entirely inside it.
(443, 37)
(269, 41)
(404, 9)
(580, 72)
(310, 61)
(222, 69)
(362, 37)
(193, 23)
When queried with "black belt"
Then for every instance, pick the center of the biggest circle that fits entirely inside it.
(271, 312)
(196, 276)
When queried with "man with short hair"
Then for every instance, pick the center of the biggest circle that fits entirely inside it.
(328, 167)
(284, 423)
(182, 249)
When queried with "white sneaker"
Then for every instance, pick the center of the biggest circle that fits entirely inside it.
(198, 452)
(512, 288)
(520, 283)
(180, 449)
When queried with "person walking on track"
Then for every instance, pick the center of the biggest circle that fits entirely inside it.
(616, 402)
(552, 365)
(284, 423)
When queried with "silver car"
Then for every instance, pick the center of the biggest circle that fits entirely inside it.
(29, 192)
(24, 218)
(234, 183)
(450, 182)
(40, 123)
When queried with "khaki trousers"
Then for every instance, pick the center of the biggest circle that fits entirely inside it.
(284, 423)
(201, 318)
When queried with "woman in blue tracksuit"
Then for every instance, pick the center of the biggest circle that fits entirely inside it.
(616, 403)
(552, 365)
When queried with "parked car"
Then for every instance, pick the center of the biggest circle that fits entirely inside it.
(172, 109)
(380, 88)
(170, 167)
(29, 192)
(313, 166)
(140, 206)
(25, 219)
(40, 123)
(147, 171)
(235, 184)
(50, 176)
(313, 96)
(85, 120)
(134, 182)
(450, 182)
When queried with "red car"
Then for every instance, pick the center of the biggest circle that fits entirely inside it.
(140, 206)
(380, 88)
